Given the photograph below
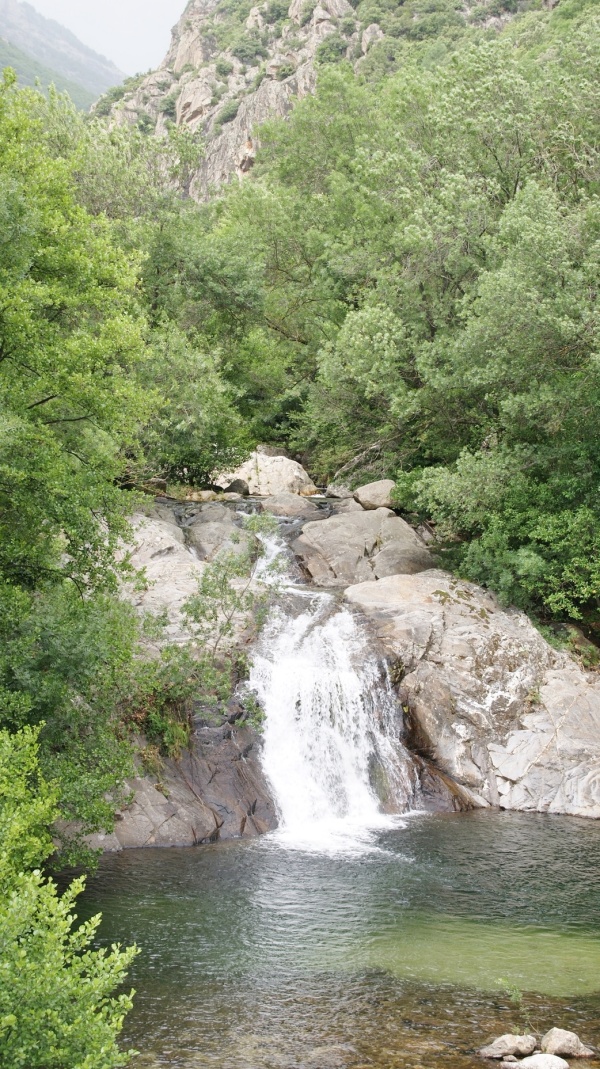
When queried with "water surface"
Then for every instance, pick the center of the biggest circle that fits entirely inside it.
(269, 956)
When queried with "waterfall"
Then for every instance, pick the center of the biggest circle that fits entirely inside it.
(332, 751)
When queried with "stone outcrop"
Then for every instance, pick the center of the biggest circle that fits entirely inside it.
(359, 546)
(375, 495)
(487, 699)
(267, 476)
(215, 791)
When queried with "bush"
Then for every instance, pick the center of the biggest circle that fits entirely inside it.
(306, 12)
(57, 1006)
(168, 105)
(331, 50)
(228, 113)
(285, 71)
(249, 48)
(223, 68)
(277, 11)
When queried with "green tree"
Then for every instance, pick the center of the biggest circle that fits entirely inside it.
(57, 1001)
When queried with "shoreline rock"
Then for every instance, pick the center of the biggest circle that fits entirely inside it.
(487, 700)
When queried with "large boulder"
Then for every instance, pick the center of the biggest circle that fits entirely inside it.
(568, 1044)
(291, 505)
(495, 707)
(358, 546)
(212, 512)
(509, 1044)
(267, 476)
(375, 495)
(216, 536)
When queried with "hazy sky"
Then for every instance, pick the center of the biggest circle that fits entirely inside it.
(135, 34)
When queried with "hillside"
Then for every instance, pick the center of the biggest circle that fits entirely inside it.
(232, 65)
(60, 56)
(30, 72)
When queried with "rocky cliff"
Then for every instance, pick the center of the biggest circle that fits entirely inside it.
(231, 66)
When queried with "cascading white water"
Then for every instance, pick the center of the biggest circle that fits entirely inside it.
(331, 745)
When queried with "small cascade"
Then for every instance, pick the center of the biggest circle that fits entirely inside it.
(332, 750)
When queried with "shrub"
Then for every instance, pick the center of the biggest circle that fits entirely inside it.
(306, 12)
(249, 48)
(228, 113)
(223, 68)
(285, 71)
(277, 11)
(57, 1006)
(168, 106)
(331, 50)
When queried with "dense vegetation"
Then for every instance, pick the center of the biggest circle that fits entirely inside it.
(407, 286)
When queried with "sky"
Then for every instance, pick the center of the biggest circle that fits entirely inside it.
(135, 34)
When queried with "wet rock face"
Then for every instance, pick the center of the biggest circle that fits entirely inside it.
(515, 723)
(216, 791)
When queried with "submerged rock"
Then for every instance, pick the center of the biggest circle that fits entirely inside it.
(486, 698)
(560, 1041)
(509, 1044)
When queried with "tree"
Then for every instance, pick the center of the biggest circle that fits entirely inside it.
(57, 1002)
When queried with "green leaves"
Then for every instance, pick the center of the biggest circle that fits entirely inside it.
(56, 992)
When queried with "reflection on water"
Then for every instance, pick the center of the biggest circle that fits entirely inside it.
(259, 956)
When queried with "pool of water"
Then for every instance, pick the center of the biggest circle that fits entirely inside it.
(403, 952)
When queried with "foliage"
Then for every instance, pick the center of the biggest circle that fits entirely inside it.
(57, 1002)
(228, 112)
(197, 430)
(223, 68)
(430, 255)
(332, 49)
(168, 104)
(112, 96)
(249, 48)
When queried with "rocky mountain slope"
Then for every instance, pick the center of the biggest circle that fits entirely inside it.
(232, 65)
(61, 56)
